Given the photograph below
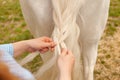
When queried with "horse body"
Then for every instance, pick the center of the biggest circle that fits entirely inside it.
(91, 19)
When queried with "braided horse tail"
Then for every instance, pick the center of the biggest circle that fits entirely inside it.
(66, 33)
(65, 13)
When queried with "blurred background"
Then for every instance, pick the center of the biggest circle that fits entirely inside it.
(13, 28)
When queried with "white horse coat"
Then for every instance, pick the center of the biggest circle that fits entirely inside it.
(91, 20)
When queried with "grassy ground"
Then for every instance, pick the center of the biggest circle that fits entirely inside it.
(108, 62)
(13, 28)
(12, 25)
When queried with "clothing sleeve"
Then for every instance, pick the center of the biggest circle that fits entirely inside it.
(7, 48)
(14, 67)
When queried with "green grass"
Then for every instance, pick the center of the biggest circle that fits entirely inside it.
(36, 63)
(115, 8)
(10, 10)
(114, 17)
(12, 25)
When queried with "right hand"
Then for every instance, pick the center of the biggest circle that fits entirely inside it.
(66, 62)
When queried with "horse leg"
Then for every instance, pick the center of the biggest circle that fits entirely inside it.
(92, 21)
(89, 54)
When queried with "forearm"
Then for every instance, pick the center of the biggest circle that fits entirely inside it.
(20, 48)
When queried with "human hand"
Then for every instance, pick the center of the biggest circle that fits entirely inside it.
(42, 44)
(66, 62)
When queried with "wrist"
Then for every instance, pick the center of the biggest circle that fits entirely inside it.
(20, 47)
(29, 46)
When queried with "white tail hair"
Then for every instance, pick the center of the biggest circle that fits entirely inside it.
(65, 13)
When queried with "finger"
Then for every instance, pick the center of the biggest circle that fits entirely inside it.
(51, 44)
(47, 39)
(71, 55)
(43, 50)
(54, 44)
(47, 44)
(52, 49)
(69, 52)
(64, 52)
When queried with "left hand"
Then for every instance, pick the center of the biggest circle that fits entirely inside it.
(42, 44)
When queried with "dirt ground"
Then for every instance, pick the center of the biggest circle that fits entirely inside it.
(108, 62)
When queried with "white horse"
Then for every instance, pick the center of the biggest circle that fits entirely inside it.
(91, 19)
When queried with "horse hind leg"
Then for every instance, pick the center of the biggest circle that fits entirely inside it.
(89, 54)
